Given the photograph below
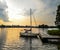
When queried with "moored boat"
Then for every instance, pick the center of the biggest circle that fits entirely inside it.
(28, 33)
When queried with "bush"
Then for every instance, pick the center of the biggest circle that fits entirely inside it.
(54, 32)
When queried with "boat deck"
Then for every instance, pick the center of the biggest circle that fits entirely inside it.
(28, 34)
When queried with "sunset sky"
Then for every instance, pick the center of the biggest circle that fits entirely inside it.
(17, 11)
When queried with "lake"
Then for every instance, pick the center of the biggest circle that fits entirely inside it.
(10, 40)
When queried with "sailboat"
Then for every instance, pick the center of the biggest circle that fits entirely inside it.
(28, 33)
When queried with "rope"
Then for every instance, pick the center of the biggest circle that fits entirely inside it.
(35, 20)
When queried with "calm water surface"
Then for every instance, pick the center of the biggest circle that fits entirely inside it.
(10, 40)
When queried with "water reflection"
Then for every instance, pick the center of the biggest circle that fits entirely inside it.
(2, 37)
(12, 41)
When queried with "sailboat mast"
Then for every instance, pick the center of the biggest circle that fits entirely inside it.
(31, 18)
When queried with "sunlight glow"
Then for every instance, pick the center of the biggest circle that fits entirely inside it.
(14, 15)
(1, 0)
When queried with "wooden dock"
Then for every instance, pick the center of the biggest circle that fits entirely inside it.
(45, 38)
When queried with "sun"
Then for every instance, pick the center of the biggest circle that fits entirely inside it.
(1, 0)
(15, 15)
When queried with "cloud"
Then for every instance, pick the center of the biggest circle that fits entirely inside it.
(48, 12)
(3, 12)
(27, 12)
(45, 10)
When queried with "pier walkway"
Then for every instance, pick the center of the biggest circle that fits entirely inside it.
(46, 38)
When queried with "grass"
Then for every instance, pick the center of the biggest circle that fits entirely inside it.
(54, 32)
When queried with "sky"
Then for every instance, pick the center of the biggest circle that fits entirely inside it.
(17, 11)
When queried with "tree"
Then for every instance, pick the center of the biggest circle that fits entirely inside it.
(57, 22)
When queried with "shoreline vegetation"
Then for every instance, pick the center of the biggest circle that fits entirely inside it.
(54, 32)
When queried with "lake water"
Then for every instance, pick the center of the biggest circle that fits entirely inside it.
(10, 40)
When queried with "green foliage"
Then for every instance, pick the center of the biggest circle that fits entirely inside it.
(57, 22)
(54, 32)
